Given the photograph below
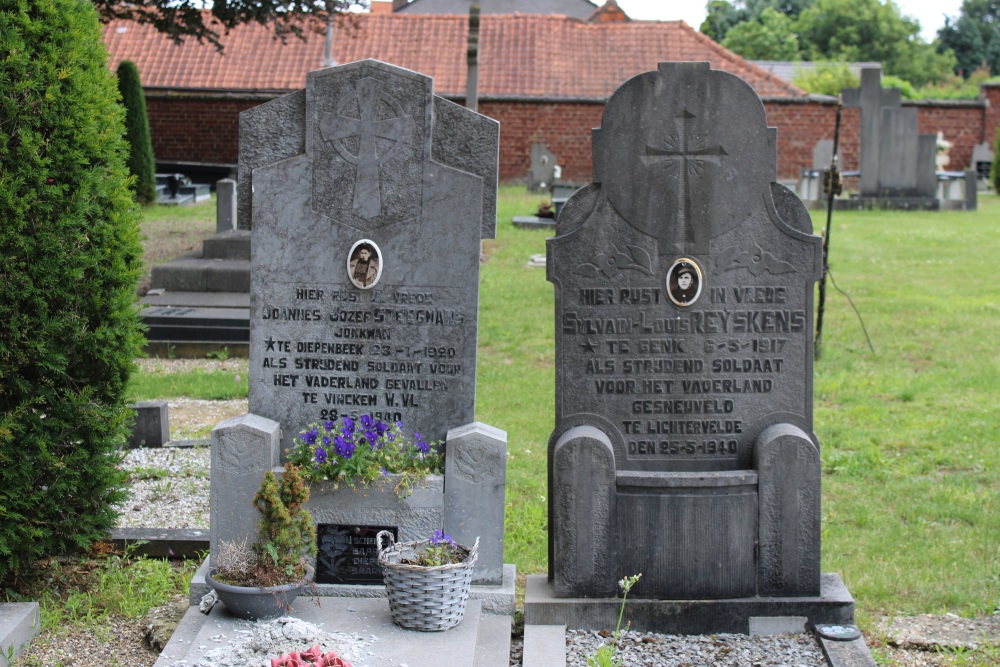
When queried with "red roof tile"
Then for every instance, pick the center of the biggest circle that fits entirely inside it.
(521, 55)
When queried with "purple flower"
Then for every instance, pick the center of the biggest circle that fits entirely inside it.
(399, 425)
(381, 428)
(367, 421)
(372, 439)
(309, 437)
(321, 454)
(420, 444)
(440, 537)
(326, 441)
(343, 447)
(328, 425)
(385, 473)
(348, 425)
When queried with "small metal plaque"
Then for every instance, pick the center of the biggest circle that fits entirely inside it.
(348, 554)
(840, 633)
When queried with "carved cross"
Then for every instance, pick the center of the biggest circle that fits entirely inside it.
(692, 153)
(336, 127)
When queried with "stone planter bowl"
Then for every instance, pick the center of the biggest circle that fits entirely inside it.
(259, 603)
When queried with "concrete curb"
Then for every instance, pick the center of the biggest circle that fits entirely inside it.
(20, 622)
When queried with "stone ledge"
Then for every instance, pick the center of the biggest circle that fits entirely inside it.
(833, 606)
(495, 599)
(163, 542)
(19, 624)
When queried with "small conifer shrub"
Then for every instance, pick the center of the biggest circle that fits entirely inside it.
(140, 160)
(70, 258)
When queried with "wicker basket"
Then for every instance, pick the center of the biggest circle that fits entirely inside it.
(422, 598)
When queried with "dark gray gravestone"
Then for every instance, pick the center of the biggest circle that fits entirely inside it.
(896, 161)
(365, 255)
(684, 299)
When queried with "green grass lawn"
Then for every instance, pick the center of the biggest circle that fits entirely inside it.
(910, 434)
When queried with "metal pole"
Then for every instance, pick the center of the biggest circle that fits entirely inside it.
(832, 187)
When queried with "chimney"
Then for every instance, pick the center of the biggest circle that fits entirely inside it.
(399, 4)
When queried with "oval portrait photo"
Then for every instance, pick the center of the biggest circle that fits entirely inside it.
(364, 264)
(684, 281)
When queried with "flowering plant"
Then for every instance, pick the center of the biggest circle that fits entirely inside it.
(607, 654)
(363, 451)
(441, 550)
(314, 657)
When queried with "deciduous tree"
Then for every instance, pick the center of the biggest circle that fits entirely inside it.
(189, 18)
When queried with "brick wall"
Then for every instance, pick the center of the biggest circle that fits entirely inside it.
(191, 128)
(196, 128)
(960, 123)
(563, 127)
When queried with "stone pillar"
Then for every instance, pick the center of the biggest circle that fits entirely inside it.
(581, 522)
(474, 499)
(225, 218)
(243, 449)
(788, 469)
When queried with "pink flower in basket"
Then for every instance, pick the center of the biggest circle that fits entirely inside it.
(311, 658)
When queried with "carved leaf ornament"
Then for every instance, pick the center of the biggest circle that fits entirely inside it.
(612, 263)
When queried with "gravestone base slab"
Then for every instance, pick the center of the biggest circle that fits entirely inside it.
(480, 640)
(533, 222)
(495, 600)
(834, 605)
(889, 203)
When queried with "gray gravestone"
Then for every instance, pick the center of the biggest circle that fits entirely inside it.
(896, 161)
(243, 450)
(543, 168)
(684, 299)
(822, 154)
(276, 130)
(396, 339)
(982, 159)
(225, 217)
(476, 470)
(365, 283)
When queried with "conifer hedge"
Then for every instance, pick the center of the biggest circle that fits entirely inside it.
(70, 258)
(995, 167)
(140, 160)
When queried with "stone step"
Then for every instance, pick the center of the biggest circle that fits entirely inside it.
(197, 274)
(227, 245)
(544, 646)
(160, 297)
(222, 325)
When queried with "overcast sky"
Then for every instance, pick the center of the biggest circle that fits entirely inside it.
(930, 13)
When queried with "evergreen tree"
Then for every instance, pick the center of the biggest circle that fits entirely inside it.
(140, 159)
(70, 258)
